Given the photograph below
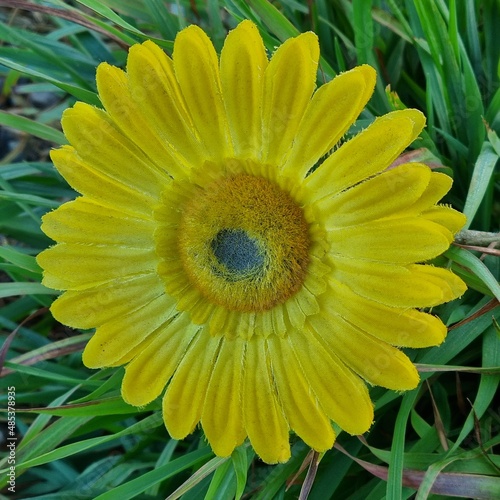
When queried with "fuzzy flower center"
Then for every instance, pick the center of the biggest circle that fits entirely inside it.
(244, 243)
(239, 253)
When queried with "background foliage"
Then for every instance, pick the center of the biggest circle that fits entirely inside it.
(76, 438)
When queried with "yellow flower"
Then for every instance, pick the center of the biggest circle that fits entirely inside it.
(217, 252)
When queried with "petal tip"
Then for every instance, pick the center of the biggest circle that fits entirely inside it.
(90, 360)
(418, 119)
(104, 69)
(369, 74)
(245, 25)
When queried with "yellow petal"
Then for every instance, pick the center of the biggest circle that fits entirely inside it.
(368, 153)
(108, 151)
(264, 323)
(289, 82)
(242, 64)
(115, 339)
(401, 241)
(296, 316)
(278, 320)
(341, 394)
(385, 195)
(439, 185)
(100, 187)
(307, 301)
(220, 317)
(115, 94)
(96, 306)
(399, 327)
(222, 417)
(148, 373)
(316, 272)
(446, 216)
(78, 267)
(451, 284)
(138, 348)
(301, 408)
(377, 362)
(264, 421)
(87, 222)
(197, 71)
(332, 110)
(301, 305)
(183, 402)
(414, 285)
(155, 90)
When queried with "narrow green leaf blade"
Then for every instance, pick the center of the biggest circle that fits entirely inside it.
(80, 93)
(24, 288)
(133, 488)
(477, 266)
(483, 171)
(32, 127)
(20, 259)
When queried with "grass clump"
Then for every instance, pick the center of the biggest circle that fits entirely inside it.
(76, 438)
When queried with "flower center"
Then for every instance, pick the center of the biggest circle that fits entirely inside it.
(244, 243)
(237, 252)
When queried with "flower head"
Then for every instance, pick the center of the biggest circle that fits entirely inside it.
(217, 252)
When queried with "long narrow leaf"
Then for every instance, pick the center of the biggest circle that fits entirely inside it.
(483, 170)
(80, 93)
(28, 288)
(467, 259)
(133, 488)
(32, 127)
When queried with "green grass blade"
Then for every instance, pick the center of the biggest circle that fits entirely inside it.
(29, 199)
(58, 377)
(53, 350)
(27, 288)
(276, 480)
(203, 472)
(488, 386)
(453, 29)
(481, 177)
(463, 485)
(107, 406)
(41, 421)
(164, 458)
(132, 9)
(133, 488)
(68, 450)
(240, 459)
(218, 31)
(48, 439)
(491, 21)
(79, 92)
(119, 34)
(477, 266)
(472, 35)
(443, 54)
(274, 19)
(20, 259)
(32, 127)
(475, 110)
(53, 55)
(109, 14)
(363, 31)
(167, 24)
(396, 466)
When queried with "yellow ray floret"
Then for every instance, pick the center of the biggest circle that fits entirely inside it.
(232, 257)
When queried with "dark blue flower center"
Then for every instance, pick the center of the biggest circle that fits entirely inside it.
(239, 253)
